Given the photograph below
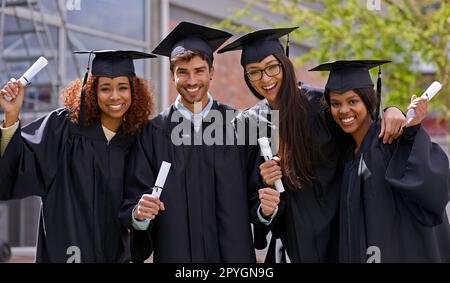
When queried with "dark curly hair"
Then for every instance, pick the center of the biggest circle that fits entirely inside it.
(135, 118)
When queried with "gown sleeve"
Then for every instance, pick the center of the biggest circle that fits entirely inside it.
(419, 170)
(253, 159)
(139, 181)
(140, 177)
(30, 160)
(6, 135)
(254, 183)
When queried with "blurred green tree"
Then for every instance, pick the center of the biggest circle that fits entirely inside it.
(415, 35)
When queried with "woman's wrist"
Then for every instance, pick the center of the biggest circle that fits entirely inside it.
(10, 119)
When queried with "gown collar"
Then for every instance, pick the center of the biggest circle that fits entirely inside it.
(96, 132)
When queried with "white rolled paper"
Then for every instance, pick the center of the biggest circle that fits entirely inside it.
(431, 91)
(161, 179)
(267, 153)
(31, 72)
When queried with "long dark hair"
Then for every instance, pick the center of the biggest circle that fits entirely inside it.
(295, 144)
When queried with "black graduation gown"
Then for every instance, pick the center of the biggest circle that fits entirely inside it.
(80, 178)
(307, 218)
(393, 201)
(206, 196)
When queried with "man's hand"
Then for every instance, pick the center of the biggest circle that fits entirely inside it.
(148, 207)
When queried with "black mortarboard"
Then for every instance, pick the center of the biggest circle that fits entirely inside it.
(346, 75)
(191, 37)
(109, 63)
(114, 63)
(259, 44)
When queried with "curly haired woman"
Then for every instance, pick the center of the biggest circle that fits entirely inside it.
(75, 158)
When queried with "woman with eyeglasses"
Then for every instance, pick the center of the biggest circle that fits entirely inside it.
(305, 219)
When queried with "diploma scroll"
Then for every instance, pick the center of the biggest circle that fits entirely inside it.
(161, 179)
(431, 91)
(267, 153)
(30, 73)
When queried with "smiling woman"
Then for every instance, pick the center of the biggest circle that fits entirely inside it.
(266, 77)
(309, 152)
(114, 99)
(124, 102)
(75, 159)
(354, 110)
(303, 133)
(393, 197)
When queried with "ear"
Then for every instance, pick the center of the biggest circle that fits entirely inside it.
(211, 73)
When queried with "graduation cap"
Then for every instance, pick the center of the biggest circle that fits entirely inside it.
(109, 63)
(191, 37)
(259, 44)
(114, 63)
(346, 75)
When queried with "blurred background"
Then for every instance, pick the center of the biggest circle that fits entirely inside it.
(415, 35)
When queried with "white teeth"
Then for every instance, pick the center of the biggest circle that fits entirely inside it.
(116, 107)
(348, 120)
(193, 89)
(269, 87)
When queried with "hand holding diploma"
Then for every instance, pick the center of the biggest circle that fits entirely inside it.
(149, 205)
(161, 179)
(12, 93)
(420, 107)
(431, 91)
(11, 107)
(25, 79)
(269, 170)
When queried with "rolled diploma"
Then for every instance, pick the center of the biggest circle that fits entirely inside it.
(30, 73)
(161, 179)
(431, 91)
(267, 153)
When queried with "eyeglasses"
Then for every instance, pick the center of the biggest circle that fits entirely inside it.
(271, 71)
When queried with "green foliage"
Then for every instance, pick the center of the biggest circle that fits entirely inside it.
(408, 32)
